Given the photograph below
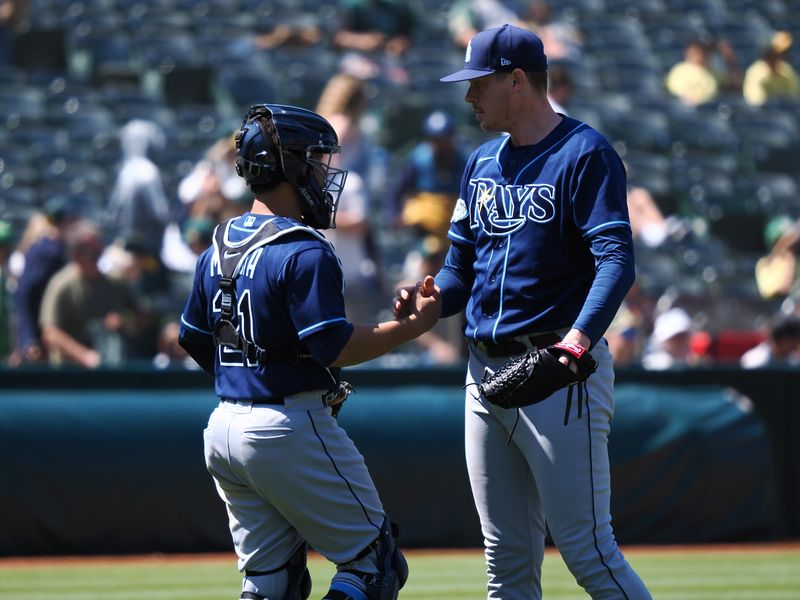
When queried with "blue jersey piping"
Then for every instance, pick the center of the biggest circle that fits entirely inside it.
(502, 289)
(319, 325)
(193, 328)
(606, 226)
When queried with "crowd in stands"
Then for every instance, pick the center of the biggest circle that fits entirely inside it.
(117, 159)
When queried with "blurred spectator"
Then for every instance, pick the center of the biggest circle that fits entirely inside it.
(362, 285)
(624, 339)
(6, 235)
(560, 38)
(776, 273)
(631, 327)
(423, 200)
(380, 31)
(198, 234)
(780, 348)
(465, 18)
(560, 87)
(771, 77)
(170, 353)
(696, 79)
(87, 318)
(211, 193)
(129, 261)
(344, 103)
(138, 206)
(299, 29)
(444, 344)
(648, 224)
(40, 259)
(213, 189)
(427, 189)
(670, 345)
(12, 13)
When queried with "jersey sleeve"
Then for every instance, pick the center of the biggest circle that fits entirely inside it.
(615, 273)
(195, 331)
(195, 312)
(313, 283)
(599, 199)
(460, 231)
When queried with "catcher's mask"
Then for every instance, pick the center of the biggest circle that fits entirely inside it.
(285, 143)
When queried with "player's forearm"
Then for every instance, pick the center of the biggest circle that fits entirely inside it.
(371, 341)
(455, 280)
(614, 277)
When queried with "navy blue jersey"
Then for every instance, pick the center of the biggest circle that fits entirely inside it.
(523, 229)
(289, 292)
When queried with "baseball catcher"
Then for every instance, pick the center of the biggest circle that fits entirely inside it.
(266, 318)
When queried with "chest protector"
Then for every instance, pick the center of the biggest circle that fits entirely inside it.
(231, 256)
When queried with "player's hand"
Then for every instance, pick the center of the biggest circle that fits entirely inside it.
(578, 338)
(427, 303)
(403, 299)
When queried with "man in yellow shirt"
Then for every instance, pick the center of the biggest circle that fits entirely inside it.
(694, 80)
(771, 76)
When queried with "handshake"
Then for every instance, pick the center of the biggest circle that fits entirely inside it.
(421, 302)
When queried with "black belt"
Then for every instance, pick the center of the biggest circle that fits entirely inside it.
(256, 400)
(515, 346)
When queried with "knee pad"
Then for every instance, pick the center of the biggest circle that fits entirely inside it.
(392, 567)
(391, 562)
(293, 572)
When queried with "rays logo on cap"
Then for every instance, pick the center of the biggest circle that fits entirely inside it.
(504, 62)
(468, 57)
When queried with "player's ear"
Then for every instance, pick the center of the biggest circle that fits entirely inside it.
(518, 78)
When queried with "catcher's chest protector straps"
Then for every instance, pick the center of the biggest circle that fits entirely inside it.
(230, 257)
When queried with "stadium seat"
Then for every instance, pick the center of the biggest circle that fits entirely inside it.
(15, 170)
(97, 53)
(642, 130)
(776, 193)
(763, 129)
(42, 49)
(22, 100)
(636, 9)
(12, 76)
(694, 166)
(652, 171)
(709, 10)
(703, 132)
(165, 48)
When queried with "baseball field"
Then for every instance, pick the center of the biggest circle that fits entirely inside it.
(758, 572)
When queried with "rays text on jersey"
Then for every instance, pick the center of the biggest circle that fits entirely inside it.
(503, 209)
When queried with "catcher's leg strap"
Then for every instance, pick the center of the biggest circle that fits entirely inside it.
(293, 577)
(350, 584)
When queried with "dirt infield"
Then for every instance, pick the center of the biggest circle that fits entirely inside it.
(50, 561)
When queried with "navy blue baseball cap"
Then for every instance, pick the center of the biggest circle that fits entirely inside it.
(501, 49)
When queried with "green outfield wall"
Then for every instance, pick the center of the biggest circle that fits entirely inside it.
(112, 461)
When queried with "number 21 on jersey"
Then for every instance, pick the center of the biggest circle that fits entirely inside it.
(228, 357)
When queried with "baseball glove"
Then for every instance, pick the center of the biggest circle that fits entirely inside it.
(535, 376)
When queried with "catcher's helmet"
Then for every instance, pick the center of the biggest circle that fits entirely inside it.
(285, 143)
